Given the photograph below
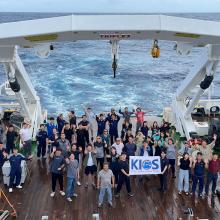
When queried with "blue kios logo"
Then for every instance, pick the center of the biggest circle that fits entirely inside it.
(146, 164)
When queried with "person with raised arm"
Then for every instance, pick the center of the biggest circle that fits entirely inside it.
(184, 163)
(199, 166)
(56, 168)
(72, 176)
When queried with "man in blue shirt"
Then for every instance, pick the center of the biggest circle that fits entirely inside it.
(50, 127)
(42, 140)
(15, 162)
(199, 166)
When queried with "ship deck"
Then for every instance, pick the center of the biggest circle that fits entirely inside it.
(34, 201)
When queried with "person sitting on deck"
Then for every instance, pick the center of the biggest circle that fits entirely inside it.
(56, 168)
(15, 163)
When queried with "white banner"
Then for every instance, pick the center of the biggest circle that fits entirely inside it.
(141, 165)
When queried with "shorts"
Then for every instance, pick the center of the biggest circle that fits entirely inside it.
(90, 169)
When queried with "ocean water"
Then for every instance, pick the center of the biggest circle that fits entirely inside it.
(79, 74)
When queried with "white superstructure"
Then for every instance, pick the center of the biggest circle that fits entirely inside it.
(187, 33)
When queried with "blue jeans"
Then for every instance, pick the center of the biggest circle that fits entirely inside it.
(211, 178)
(107, 189)
(70, 187)
(183, 175)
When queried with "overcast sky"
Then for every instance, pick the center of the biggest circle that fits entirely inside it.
(148, 6)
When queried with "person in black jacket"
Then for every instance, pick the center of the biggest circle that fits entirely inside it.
(42, 140)
(101, 122)
(11, 136)
(112, 159)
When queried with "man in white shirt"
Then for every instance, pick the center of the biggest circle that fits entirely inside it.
(26, 139)
(118, 146)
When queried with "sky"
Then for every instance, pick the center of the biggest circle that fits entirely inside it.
(110, 6)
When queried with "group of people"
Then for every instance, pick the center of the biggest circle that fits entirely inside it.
(74, 149)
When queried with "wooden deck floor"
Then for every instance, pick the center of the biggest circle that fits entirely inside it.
(34, 201)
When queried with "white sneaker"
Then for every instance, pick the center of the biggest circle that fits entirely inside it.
(69, 199)
(52, 194)
(62, 193)
(75, 195)
(19, 186)
(78, 183)
(10, 190)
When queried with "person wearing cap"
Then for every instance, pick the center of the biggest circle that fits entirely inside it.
(56, 168)
(186, 148)
(42, 140)
(26, 139)
(50, 126)
(124, 177)
(15, 163)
